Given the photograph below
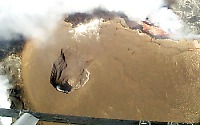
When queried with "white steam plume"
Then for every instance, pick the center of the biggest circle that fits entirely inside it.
(168, 21)
(31, 18)
(4, 101)
(37, 18)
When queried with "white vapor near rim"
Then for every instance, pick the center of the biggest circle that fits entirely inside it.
(37, 18)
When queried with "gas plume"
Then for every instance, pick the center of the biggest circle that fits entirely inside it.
(4, 101)
(37, 18)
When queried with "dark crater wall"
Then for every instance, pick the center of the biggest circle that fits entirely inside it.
(11, 47)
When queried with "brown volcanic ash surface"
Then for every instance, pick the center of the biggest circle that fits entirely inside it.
(132, 76)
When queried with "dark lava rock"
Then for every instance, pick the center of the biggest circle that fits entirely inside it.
(69, 71)
(11, 67)
(77, 18)
(16, 93)
(8, 47)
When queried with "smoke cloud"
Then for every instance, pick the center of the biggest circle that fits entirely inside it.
(37, 18)
(4, 101)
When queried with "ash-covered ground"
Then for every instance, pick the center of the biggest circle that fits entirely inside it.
(132, 76)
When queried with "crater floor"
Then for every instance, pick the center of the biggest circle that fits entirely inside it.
(132, 76)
